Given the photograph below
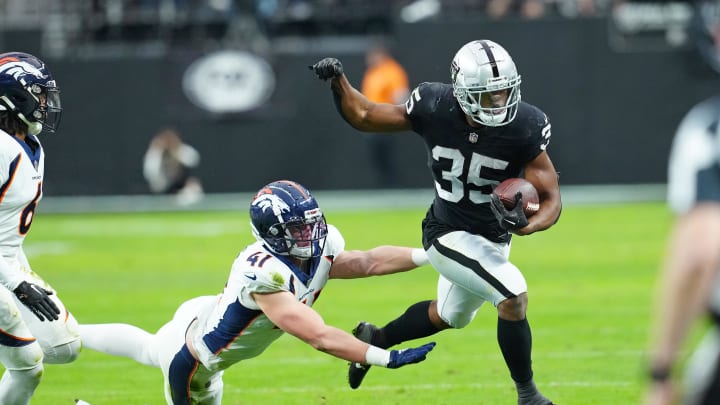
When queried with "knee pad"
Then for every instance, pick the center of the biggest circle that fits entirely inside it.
(21, 358)
(32, 374)
(65, 353)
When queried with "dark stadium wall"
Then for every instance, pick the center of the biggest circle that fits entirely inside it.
(613, 113)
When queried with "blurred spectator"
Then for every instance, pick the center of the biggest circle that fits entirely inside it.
(385, 81)
(532, 9)
(168, 166)
(499, 8)
(704, 29)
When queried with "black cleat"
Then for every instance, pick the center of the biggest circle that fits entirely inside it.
(363, 331)
(537, 400)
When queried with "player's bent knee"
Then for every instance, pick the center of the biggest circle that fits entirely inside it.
(22, 358)
(30, 375)
(457, 321)
(65, 353)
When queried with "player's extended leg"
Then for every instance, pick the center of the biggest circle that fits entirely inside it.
(455, 307)
(20, 354)
(417, 322)
(119, 339)
(515, 340)
(482, 268)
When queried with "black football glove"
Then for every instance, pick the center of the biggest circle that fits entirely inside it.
(37, 299)
(509, 220)
(328, 68)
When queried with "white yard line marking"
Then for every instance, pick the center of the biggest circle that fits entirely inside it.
(34, 249)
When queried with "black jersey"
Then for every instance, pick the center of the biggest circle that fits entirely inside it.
(468, 162)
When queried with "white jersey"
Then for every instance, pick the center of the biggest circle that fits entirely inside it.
(21, 177)
(21, 180)
(694, 166)
(235, 328)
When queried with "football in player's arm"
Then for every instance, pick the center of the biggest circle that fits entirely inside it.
(272, 286)
(478, 133)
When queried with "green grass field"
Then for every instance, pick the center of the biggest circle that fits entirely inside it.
(591, 280)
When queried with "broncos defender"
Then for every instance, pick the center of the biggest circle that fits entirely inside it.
(34, 324)
(272, 286)
(478, 133)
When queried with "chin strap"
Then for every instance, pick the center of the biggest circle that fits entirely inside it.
(486, 119)
(34, 128)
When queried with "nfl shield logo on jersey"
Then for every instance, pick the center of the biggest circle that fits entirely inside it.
(473, 137)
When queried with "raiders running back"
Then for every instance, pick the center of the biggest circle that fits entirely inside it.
(467, 162)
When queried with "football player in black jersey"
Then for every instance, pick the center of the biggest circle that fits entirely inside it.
(478, 133)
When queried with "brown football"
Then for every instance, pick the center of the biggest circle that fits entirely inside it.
(506, 192)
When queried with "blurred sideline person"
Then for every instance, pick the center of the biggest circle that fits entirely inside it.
(477, 133)
(689, 286)
(168, 167)
(385, 81)
(35, 326)
(272, 286)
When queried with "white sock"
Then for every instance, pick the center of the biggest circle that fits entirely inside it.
(119, 339)
(17, 386)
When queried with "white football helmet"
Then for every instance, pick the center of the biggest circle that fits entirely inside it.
(483, 66)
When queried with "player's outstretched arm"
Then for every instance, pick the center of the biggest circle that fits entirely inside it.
(378, 261)
(361, 113)
(307, 325)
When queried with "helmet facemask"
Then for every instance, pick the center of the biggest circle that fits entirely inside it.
(473, 99)
(301, 238)
(49, 110)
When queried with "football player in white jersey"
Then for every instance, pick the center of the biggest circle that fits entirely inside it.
(272, 286)
(689, 287)
(34, 324)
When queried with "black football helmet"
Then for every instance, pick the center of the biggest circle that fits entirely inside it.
(287, 219)
(28, 90)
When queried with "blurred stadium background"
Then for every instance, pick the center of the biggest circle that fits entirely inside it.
(231, 76)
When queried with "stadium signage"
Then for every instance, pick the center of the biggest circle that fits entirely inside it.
(229, 82)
